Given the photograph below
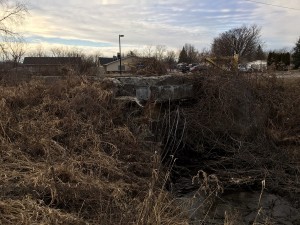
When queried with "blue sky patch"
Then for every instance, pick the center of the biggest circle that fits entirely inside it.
(63, 41)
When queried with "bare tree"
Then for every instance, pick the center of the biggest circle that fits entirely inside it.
(170, 59)
(159, 52)
(39, 51)
(133, 52)
(148, 51)
(3, 51)
(242, 41)
(10, 15)
(75, 52)
(96, 54)
(66, 51)
(192, 53)
(16, 49)
(204, 53)
(58, 51)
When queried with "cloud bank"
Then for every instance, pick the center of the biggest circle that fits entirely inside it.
(97, 23)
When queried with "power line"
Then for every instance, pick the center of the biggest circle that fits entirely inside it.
(280, 6)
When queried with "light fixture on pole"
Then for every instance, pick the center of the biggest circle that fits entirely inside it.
(120, 35)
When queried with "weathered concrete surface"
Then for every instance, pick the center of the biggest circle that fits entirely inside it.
(164, 92)
(156, 88)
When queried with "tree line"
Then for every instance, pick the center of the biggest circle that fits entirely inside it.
(244, 41)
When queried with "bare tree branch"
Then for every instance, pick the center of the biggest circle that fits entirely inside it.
(11, 15)
(16, 49)
(242, 40)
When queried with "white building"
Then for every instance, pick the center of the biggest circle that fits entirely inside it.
(114, 66)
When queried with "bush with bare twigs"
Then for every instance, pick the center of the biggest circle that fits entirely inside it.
(241, 130)
(150, 67)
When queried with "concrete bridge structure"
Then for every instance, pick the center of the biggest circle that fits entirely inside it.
(154, 88)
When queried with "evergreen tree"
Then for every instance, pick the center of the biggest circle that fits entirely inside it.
(271, 58)
(191, 52)
(296, 55)
(260, 55)
(287, 58)
(279, 59)
(183, 58)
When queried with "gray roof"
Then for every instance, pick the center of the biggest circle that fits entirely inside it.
(118, 60)
(106, 60)
(51, 60)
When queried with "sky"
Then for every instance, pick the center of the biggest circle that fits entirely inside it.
(95, 25)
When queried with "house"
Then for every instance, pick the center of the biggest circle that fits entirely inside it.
(106, 60)
(114, 66)
(51, 64)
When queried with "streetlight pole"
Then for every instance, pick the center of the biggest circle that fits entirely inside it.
(120, 35)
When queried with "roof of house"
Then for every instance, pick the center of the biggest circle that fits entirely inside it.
(106, 60)
(51, 60)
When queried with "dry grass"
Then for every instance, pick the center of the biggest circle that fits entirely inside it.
(67, 156)
(28, 211)
(71, 154)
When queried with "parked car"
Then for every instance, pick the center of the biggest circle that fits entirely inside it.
(183, 67)
(246, 68)
(242, 68)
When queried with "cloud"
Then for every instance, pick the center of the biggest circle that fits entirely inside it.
(279, 25)
(144, 22)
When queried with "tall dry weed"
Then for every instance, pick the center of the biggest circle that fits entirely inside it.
(67, 152)
(241, 130)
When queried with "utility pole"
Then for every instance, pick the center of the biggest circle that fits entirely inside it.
(120, 35)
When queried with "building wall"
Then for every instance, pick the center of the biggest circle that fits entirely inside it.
(42, 68)
(48, 70)
(114, 66)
